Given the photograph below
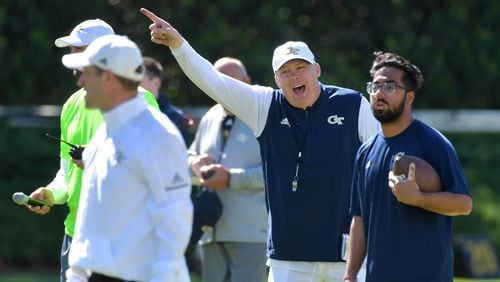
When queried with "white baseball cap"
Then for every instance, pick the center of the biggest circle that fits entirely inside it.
(84, 33)
(115, 53)
(289, 51)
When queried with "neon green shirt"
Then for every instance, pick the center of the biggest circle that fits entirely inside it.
(78, 124)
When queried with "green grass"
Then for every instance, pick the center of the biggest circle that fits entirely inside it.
(44, 277)
(472, 280)
(52, 277)
(28, 277)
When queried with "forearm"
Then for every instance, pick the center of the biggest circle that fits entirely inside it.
(173, 223)
(58, 184)
(446, 203)
(170, 207)
(242, 99)
(247, 178)
(356, 250)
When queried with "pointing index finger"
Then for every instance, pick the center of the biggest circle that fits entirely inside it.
(154, 18)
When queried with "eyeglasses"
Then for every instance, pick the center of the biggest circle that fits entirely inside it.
(388, 88)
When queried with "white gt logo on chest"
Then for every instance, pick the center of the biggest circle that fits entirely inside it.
(335, 120)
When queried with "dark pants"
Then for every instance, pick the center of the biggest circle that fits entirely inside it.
(66, 245)
(95, 277)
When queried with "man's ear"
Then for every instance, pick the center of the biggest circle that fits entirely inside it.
(410, 97)
(318, 70)
(247, 79)
(107, 75)
(277, 80)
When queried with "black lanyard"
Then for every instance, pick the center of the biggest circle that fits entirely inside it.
(300, 143)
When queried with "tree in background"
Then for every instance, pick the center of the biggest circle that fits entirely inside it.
(453, 41)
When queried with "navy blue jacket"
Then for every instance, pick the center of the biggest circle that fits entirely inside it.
(307, 225)
(174, 115)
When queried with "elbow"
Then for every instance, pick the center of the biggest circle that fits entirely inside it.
(467, 206)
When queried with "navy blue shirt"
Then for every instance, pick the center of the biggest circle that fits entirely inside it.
(405, 243)
(174, 115)
(307, 225)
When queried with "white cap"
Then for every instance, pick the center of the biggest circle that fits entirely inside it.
(115, 53)
(84, 33)
(289, 51)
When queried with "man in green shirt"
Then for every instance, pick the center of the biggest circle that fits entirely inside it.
(78, 124)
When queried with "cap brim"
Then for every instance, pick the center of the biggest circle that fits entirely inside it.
(69, 40)
(293, 58)
(76, 61)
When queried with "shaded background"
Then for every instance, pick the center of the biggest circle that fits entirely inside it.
(454, 42)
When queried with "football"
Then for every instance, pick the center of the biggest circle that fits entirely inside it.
(425, 175)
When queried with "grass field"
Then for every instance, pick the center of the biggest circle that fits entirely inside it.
(54, 277)
(475, 280)
(43, 277)
(28, 277)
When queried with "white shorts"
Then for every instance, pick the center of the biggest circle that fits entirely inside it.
(305, 271)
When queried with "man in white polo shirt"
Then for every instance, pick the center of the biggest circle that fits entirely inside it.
(77, 125)
(135, 213)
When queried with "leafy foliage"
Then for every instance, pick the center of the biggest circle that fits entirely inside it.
(453, 42)
(479, 155)
(28, 162)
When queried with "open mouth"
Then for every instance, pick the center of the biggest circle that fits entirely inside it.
(299, 89)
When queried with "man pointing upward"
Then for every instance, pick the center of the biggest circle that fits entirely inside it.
(308, 134)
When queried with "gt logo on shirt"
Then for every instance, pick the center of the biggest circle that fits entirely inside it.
(335, 120)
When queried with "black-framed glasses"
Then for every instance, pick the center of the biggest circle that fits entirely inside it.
(389, 88)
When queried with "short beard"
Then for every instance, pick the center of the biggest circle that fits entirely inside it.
(390, 115)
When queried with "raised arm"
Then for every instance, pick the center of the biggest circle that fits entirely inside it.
(162, 32)
(249, 102)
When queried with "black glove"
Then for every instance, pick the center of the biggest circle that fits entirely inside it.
(76, 152)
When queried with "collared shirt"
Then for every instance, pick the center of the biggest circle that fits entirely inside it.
(135, 213)
(244, 214)
(78, 124)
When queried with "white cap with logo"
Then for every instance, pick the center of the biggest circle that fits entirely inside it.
(115, 53)
(289, 51)
(84, 33)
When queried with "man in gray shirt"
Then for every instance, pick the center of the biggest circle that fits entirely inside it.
(235, 249)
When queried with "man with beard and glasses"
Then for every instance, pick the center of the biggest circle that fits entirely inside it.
(405, 233)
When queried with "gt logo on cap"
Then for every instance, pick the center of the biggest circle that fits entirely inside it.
(293, 51)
